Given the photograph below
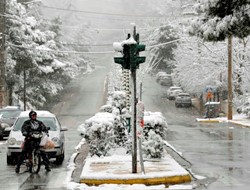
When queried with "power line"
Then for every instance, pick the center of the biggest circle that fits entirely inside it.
(152, 46)
(88, 45)
(78, 52)
(70, 52)
(103, 13)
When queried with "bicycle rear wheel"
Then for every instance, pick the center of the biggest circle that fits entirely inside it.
(35, 162)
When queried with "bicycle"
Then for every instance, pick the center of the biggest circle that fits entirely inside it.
(33, 158)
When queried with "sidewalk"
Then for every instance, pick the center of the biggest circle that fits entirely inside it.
(241, 120)
(118, 170)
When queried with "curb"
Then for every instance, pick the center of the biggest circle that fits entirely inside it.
(240, 124)
(145, 181)
(208, 120)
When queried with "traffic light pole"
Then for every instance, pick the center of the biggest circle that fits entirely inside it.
(134, 142)
(131, 61)
(134, 102)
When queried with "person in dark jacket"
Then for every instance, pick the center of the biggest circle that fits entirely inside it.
(29, 126)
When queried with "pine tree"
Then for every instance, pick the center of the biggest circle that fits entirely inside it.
(220, 19)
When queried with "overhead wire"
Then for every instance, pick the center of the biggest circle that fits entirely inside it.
(103, 13)
(86, 52)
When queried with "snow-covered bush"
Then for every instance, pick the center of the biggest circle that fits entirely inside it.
(99, 133)
(106, 108)
(154, 134)
(155, 121)
(119, 100)
(245, 105)
(153, 146)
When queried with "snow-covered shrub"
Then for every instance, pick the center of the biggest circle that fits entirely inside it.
(154, 134)
(153, 146)
(119, 131)
(99, 133)
(119, 100)
(244, 106)
(156, 122)
(106, 108)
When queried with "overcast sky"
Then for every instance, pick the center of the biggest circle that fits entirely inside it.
(108, 23)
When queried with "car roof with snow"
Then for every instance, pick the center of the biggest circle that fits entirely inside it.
(174, 87)
(40, 113)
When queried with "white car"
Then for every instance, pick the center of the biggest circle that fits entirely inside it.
(56, 134)
(173, 91)
(165, 80)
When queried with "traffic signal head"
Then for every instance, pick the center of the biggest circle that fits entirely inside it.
(137, 60)
(124, 61)
(140, 47)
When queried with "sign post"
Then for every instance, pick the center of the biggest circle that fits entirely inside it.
(140, 126)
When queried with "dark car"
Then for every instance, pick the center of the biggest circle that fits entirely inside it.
(183, 100)
(8, 116)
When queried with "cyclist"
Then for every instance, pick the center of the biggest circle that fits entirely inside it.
(29, 126)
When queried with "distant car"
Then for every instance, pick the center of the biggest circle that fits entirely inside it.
(172, 88)
(56, 134)
(8, 116)
(160, 75)
(173, 91)
(173, 94)
(183, 100)
(165, 80)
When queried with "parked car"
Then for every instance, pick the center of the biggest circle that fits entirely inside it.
(173, 91)
(183, 100)
(8, 116)
(173, 94)
(160, 74)
(56, 134)
(172, 88)
(165, 80)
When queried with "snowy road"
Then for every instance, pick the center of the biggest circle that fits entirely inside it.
(84, 97)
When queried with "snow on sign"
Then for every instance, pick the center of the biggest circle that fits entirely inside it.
(140, 121)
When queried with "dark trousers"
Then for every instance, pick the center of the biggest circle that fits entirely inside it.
(26, 150)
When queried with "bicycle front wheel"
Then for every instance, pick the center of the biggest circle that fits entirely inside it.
(36, 162)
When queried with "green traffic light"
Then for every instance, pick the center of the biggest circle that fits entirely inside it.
(131, 58)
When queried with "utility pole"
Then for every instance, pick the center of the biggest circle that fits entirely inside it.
(2, 53)
(134, 102)
(230, 91)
